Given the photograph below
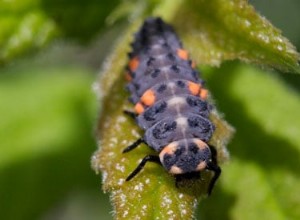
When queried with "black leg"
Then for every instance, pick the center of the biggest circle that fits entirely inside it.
(130, 114)
(134, 145)
(217, 170)
(213, 154)
(148, 158)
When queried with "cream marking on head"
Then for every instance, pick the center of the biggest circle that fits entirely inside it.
(201, 144)
(175, 170)
(201, 166)
(169, 149)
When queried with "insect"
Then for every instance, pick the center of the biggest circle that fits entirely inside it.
(170, 104)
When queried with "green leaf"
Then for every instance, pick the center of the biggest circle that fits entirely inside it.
(24, 33)
(220, 30)
(214, 31)
(29, 25)
(24, 27)
(54, 86)
(45, 132)
(79, 20)
(262, 178)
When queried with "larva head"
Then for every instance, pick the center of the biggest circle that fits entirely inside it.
(185, 156)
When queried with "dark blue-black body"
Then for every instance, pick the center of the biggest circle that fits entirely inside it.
(170, 103)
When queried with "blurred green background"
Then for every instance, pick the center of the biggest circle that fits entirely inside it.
(49, 111)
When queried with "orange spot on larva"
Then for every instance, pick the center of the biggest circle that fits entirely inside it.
(203, 93)
(169, 149)
(183, 54)
(194, 88)
(148, 98)
(133, 64)
(139, 108)
(128, 76)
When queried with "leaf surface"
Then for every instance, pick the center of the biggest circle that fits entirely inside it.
(214, 31)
